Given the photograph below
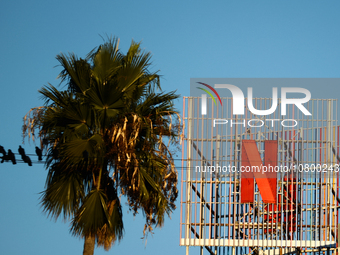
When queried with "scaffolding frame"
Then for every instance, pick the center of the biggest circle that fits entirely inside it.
(305, 215)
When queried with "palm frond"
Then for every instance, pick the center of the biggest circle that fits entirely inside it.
(63, 193)
(76, 71)
(92, 215)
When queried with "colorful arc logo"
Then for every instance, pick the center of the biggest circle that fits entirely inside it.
(209, 93)
(204, 97)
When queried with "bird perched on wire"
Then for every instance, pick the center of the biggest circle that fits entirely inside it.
(2, 150)
(4, 154)
(10, 156)
(38, 152)
(22, 153)
(28, 160)
(24, 157)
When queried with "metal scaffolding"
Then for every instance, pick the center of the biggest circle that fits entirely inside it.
(224, 211)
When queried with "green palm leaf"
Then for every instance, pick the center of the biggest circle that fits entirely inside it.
(92, 215)
(63, 194)
(74, 149)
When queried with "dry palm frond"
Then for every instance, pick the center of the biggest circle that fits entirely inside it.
(32, 122)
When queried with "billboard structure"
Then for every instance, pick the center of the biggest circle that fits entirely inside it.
(260, 184)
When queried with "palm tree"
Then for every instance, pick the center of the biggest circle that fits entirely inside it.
(107, 134)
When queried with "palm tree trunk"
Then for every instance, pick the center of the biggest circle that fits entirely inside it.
(89, 245)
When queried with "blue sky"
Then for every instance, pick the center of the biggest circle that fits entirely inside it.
(188, 39)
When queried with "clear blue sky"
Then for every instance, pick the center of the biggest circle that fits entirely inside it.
(188, 39)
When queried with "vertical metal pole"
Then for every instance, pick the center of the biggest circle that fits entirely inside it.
(329, 162)
(217, 226)
(203, 178)
(182, 176)
(230, 219)
(189, 155)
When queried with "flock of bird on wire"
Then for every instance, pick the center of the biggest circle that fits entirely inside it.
(10, 156)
